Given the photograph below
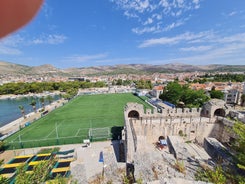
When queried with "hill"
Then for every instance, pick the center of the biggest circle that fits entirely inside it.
(7, 68)
(17, 69)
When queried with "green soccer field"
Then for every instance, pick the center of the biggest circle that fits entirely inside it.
(71, 123)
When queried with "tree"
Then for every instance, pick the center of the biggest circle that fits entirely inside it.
(172, 92)
(58, 180)
(119, 82)
(1, 148)
(50, 99)
(4, 180)
(175, 93)
(99, 84)
(142, 84)
(21, 107)
(42, 100)
(33, 104)
(194, 98)
(39, 175)
(216, 94)
(239, 129)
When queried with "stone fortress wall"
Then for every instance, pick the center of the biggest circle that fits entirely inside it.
(145, 127)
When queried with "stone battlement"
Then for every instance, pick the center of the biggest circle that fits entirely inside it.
(173, 112)
(145, 126)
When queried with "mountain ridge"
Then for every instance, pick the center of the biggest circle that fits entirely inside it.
(19, 69)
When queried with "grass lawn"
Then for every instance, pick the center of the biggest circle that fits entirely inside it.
(71, 122)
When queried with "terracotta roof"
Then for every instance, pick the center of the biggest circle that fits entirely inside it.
(158, 88)
(198, 86)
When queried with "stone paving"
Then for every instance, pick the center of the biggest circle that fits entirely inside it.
(86, 164)
(78, 172)
(150, 166)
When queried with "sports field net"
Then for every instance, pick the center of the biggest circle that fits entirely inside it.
(45, 142)
(94, 134)
(100, 133)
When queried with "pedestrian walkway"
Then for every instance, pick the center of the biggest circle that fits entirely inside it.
(86, 165)
(14, 126)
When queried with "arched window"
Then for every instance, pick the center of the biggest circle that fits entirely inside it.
(219, 112)
(133, 114)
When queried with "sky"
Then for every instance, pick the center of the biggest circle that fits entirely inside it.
(83, 33)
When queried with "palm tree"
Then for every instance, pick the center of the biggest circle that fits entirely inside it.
(50, 99)
(21, 107)
(42, 100)
(33, 104)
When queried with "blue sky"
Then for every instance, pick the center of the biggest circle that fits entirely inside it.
(81, 33)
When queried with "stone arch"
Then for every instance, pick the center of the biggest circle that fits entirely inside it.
(133, 114)
(219, 112)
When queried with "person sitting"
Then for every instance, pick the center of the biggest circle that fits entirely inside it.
(162, 143)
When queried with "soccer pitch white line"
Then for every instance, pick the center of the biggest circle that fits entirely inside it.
(27, 131)
(78, 131)
(54, 129)
(76, 135)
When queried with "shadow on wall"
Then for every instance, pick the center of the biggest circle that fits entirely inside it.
(119, 150)
(222, 132)
(116, 132)
(118, 146)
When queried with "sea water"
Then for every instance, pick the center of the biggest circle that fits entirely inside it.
(9, 108)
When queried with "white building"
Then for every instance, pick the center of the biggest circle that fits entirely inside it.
(157, 91)
(232, 96)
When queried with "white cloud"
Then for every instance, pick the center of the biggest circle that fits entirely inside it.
(173, 25)
(158, 16)
(49, 39)
(196, 1)
(159, 41)
(227, 54)
(46, 9)
(14, 44)
(130, 15)
(210, 48)
(156, 28)
(197, 4)
(139, 6)
(240, 37)
(156, 11)
(12, 40)
(9, 45)
(197, 48)
(100, 59)
(174, 40)
(232, 13)
(85, 58)
(4, 50)
(164, 3)
(203, 47)
(152, 29)
(148, 21)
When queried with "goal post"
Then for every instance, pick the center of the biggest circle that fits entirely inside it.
(99, 133)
